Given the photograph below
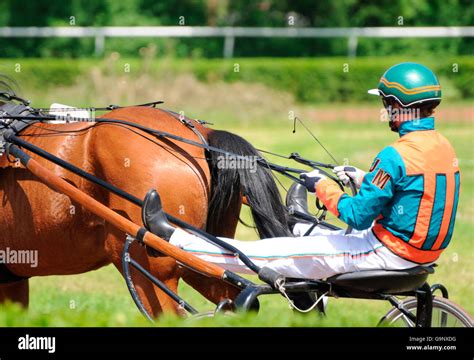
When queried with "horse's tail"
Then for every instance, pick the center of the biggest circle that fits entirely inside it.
(230, 180)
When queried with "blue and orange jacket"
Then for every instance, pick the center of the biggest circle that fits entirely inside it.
(411, 191)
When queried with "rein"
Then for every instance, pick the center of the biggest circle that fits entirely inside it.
(37, 115)
(11, 136)
(284, 170)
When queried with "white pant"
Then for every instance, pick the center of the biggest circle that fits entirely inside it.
(322, 254)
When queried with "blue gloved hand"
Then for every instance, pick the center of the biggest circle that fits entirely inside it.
(311, 179)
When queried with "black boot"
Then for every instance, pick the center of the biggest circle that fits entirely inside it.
(297, 205)
(154, 218)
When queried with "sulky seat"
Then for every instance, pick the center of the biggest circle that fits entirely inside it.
(383, 281)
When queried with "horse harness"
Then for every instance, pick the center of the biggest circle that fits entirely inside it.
(11, 125)
(17, 126)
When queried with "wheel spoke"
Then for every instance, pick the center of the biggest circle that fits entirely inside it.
(449, 314)
(408, 321)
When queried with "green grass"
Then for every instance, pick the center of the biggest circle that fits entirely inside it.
(100, 298)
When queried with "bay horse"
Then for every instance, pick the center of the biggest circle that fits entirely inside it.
(70, 240)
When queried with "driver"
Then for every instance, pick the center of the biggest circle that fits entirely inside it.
(403, 214)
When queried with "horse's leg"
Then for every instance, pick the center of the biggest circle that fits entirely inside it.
(213, 289)
(17, 292)
(154, 300)
(179, 171)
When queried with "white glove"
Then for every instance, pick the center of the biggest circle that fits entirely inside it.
(344, 173)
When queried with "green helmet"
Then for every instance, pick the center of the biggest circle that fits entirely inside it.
(409, 83)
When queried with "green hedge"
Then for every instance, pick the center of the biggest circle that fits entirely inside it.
(332, 79)
(317, 80)
(43, 72)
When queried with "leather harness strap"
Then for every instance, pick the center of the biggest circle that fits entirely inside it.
(12, 109)
(17, 110)
(189, 123)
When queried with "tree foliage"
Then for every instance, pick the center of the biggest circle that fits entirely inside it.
(272, 13)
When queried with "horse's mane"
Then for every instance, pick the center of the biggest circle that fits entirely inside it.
(7, 85)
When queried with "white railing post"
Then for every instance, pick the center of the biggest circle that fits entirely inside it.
(99, 43)
(352, 46)
(229, 46)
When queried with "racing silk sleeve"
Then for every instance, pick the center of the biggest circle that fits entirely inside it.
(376, 191)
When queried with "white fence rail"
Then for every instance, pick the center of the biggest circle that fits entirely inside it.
(230, 33)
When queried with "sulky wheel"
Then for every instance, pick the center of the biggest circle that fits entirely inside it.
(445, 314)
